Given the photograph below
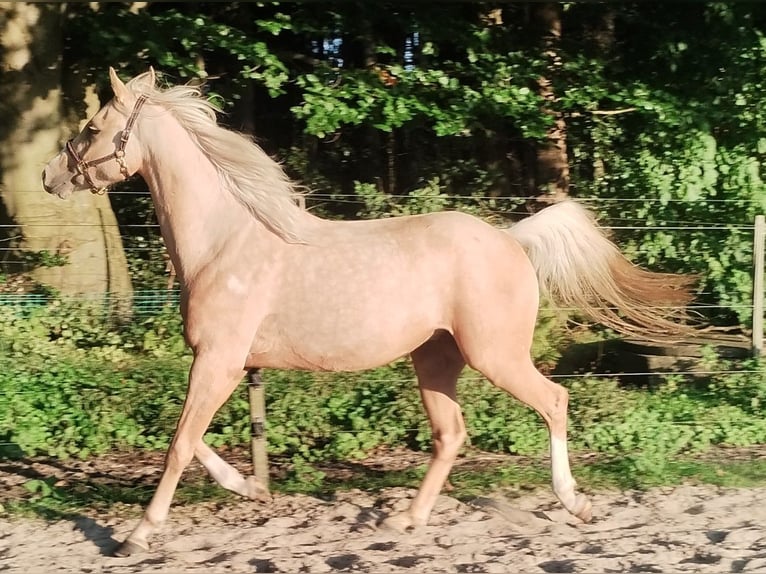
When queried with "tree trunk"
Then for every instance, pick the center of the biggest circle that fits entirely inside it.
(603, 33)
(552, 162)
(73, 246)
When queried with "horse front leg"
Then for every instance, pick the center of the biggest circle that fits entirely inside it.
(210, 385)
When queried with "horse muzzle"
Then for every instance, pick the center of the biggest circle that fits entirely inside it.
(62, 189)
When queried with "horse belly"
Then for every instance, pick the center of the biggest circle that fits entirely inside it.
(345, 338)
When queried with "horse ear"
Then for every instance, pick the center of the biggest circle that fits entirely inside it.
(121, 92)
(152, 76)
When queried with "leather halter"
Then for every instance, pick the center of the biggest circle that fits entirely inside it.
(81, 165)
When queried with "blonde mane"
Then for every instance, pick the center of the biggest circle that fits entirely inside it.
(258, 182)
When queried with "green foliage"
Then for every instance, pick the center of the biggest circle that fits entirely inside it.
(663, 107)
(342, 416)
(73, 381)
(90, 387)
(429, 198)
(64, 410)
(648, 428)
(451, 100)
(683, 158)
(86, 329)
(45, 258)
(173, 39)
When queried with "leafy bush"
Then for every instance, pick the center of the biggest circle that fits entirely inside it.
(90, 387)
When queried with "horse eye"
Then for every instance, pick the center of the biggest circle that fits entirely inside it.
(93, 129)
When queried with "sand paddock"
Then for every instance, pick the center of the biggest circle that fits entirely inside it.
(682, 529)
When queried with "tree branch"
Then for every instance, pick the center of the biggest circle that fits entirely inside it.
(612, 112)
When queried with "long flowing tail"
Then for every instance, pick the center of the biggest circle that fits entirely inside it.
(579, 267)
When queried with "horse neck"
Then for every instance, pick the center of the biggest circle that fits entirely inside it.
(196, 214)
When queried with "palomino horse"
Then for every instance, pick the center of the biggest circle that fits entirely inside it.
(267, 284)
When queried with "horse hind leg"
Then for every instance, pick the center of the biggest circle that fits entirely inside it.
(229, 477)
(524, 382)
(438, 364)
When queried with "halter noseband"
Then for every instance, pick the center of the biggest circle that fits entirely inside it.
(81, 166)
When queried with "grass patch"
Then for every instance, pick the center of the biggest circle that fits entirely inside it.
(616, 474)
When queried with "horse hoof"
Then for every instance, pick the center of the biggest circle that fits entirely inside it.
(584, 509)
(129, 548)
(256, 490)
(399, 523)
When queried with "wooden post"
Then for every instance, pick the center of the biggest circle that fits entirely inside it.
(255, 392)
(759, 235)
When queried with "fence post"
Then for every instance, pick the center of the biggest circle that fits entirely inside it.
(759, 235)
(255, 392)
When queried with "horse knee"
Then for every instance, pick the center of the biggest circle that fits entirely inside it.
(179, 456)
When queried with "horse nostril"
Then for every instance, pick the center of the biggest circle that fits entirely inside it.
(46, 186)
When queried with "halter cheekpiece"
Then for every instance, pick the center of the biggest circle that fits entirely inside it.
(81, 166)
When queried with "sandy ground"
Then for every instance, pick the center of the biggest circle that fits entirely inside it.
(683, 529)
